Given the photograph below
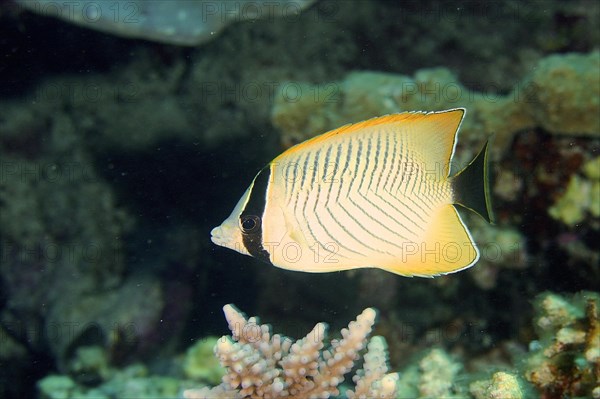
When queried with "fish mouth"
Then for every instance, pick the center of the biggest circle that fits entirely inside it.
(228, 235)
(216, 235)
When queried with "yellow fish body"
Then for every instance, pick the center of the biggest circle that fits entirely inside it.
(371, 194)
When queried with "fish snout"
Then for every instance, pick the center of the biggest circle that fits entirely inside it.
(228, 236)
(216, 235)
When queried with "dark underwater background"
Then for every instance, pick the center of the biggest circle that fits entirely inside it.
(118, 155)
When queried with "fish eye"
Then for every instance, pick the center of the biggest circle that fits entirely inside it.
(249, 223)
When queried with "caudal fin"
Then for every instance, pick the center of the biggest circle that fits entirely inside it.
(471, 186)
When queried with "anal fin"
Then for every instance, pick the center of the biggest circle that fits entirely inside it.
(447, 247)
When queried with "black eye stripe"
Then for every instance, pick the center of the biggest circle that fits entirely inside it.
(254, 210)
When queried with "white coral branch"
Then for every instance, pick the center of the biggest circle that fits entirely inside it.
(372, 381)
(301, 364)
(340, 359)
(262, 365)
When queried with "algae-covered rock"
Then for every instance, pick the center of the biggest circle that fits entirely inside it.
(438, 375)
(562, 96)
(132, 382)
(56, 387)
(502, 385)
(581, 197)
(571, 207)
(434, 374)
(62, 230)
(592, 169)
(555, 311)
(565, 360)
(563, 93)
(103, 321)
(151, 387)
(408, 382)
(89, 365)
(201, 364)
(501, 248)
(179, 22)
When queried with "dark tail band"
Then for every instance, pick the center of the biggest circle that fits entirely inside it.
(471, 186)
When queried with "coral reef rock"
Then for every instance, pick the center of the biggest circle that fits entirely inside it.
(199, 363)
(562, 96)
(131, 382)
(433, 374)
(180, 22)
(438, 373)
(264, 365)
(502, 385)
(581, 198)
(566, 359)
(502, 248)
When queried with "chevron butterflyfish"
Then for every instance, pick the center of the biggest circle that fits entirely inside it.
(377, 193)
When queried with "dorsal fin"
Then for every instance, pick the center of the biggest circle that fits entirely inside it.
(434, 137)
(448, 121)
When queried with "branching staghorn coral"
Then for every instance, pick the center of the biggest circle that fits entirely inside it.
(264, 365)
